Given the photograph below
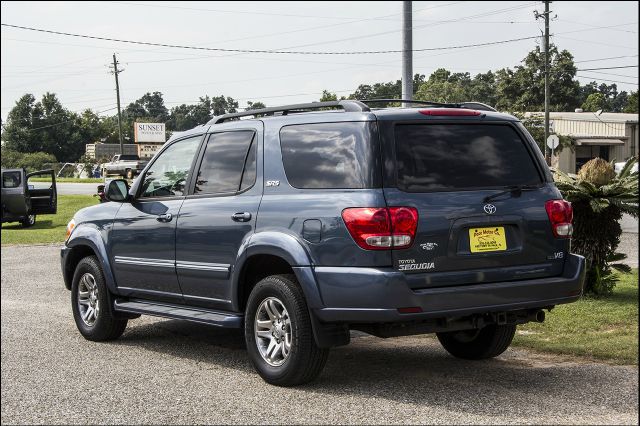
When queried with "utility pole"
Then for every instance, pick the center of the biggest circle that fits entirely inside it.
(545, 47)
(407, 52)
(117, 71)
(546, 77)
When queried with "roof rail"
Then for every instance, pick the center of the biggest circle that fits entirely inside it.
(477, 105)
(346, 105)
(469, 105)
(407, 101)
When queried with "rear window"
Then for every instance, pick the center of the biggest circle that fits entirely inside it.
(329, 155)
(11, 179)
(440, 157)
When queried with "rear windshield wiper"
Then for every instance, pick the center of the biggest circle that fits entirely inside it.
(514, 190)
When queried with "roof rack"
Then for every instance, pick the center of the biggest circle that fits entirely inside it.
(469, 105)
(347, 105)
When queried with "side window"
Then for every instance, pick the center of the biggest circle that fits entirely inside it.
(329, 155)
(167, 176)
(11, 179)
(228, 164)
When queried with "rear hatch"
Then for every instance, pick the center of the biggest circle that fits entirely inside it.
(480, 192)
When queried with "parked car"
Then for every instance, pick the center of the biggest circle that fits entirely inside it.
(306, 222)
(21, 201)
(127, 166)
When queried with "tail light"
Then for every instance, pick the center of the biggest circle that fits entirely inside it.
(381, 228)
(560, 214)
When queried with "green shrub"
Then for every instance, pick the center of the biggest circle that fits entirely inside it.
(31, 161)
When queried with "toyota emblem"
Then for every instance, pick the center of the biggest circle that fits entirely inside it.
(489, 208)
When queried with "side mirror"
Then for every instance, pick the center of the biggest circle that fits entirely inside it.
(118, 191)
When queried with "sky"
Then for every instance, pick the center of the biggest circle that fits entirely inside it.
(77, 69)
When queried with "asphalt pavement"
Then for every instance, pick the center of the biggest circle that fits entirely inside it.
(65, 188)
(167, 372)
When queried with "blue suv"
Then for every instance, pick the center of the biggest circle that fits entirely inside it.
(301, 223)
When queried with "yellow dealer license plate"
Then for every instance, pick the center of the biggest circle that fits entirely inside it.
(487, 239)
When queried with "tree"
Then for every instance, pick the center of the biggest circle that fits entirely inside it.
(632, 103)
(328, 96)
(44, 126)
(186, 117)
(595, 101)
(522, 89)
(149, 108)
(443, 86)
(388, 90)
(255, 105)
(221, 105)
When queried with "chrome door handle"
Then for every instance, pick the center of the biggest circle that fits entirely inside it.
(164, 217)
(241, 217)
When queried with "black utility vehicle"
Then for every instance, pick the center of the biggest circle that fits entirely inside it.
(301, 223)
(22, 200)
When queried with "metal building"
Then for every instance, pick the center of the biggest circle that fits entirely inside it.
(610, 136)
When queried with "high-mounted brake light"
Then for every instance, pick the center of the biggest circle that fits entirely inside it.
(560, 214)
(383, 228)
(450, 112)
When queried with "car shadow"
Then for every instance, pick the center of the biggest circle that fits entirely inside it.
(407, 370)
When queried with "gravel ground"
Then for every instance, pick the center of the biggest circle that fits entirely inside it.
(167, 372)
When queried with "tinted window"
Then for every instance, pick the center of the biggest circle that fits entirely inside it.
(436, 157)
(224, 162)
(11, 179)
(329, 155)
(168, 174)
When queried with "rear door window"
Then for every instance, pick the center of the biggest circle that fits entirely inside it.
(442, 157)
(329, 155)
(228, 164)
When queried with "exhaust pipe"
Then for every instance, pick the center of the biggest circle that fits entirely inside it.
(539, 316)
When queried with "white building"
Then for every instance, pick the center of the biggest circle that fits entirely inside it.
(610, 136)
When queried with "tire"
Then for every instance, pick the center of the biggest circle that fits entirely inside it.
(102, 326)
(129, 174)
(28, 221)
(304, 360)
(488, 342)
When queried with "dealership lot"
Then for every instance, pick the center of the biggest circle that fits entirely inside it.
(164, 371)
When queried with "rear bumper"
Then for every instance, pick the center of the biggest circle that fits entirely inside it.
(373, 295)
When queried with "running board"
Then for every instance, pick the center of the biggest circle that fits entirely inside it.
(200, 315)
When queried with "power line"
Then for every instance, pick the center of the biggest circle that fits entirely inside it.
(607, 68)
(612, 28)
(615, 75)
(604, 79)
(609, 27)
(291, 52)
(415, 27)
(606, 59)
(596, 42)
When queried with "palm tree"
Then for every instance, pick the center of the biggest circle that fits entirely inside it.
(599, 199)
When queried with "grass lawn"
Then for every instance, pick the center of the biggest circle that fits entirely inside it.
(69, 180)
(603, 328)
(48, 228)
